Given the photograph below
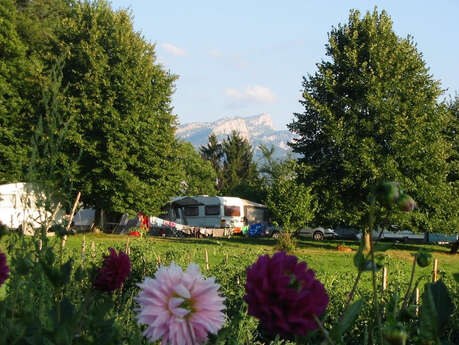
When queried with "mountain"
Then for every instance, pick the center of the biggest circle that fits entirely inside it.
(257, 130)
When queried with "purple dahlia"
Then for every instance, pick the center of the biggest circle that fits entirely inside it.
(284, 295)
(115, 268)
(4, 269)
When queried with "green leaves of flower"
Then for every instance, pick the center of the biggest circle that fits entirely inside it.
(347, 320)
(436, 310)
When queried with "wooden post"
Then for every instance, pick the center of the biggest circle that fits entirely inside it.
(64, 240)
(207, 260)
(83, 248)
(75, 205)
(417, 301)
(50, 221)
(435, 271)
(226, 258)
(93, 249)
(128, 249)
(384, 282)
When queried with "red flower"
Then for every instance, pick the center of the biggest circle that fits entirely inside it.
(4, 269)
(113, 273)
(284, 295)
(134, 233)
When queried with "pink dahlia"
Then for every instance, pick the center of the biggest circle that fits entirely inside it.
(4, 269)
(180, 307)
(284, 295)
(115, 268)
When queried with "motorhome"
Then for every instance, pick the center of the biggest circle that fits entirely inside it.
(214, 211)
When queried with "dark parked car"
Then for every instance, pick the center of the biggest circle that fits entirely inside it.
(317, 233)
(347, 233)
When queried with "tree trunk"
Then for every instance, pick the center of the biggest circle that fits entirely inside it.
(99, 219)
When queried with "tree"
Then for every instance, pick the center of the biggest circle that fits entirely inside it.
(122, 100)
(116, 94)
(371, 114)
(199, 175)
(17, 95)
(240, 176)
(213, 152)
(290, 202)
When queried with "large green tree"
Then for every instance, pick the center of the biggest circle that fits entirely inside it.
(122, 104)
(111, 94)
(370, 114)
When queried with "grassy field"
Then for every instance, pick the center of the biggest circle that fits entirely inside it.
(228, 259)
(321, 256)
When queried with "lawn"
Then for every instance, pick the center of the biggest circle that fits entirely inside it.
(228, 259)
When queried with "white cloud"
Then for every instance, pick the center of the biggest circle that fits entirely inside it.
(176, 51)
(252, 94)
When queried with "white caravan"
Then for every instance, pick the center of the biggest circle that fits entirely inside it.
(214, 211)
(18, 207)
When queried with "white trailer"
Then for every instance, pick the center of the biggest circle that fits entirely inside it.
(214, 212)
(18, 207)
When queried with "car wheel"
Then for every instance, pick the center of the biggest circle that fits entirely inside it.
(318, 236)
(275, 235)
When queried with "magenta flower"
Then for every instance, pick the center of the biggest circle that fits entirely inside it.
(180, 307)
(4, 269)
(113, 273)
(284, 295)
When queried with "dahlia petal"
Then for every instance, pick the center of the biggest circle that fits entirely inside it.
(182, 291)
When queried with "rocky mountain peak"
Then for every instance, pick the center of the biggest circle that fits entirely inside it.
(258, 129)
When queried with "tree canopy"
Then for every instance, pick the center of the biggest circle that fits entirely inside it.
(111, 93)
(371, 114)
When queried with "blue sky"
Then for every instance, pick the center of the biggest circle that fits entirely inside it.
(243, 58)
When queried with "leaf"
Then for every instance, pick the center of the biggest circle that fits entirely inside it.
(442, 301)
(428, 319)
(349, 316)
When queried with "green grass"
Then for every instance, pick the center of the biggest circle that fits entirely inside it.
(322, 257)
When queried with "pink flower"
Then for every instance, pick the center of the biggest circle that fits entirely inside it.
(4, 269)
(180, 307)
(284, 295)
(113, 273)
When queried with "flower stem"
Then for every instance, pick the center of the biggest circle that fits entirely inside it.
(351, 294)
(405, 300)
(373, 271)
(323, 330)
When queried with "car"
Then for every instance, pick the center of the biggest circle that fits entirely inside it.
(317, 234)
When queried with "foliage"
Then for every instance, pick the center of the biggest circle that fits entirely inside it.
(100, 78)
(200, 176)
(233, 162)
(290, 203)
(371, 113)
(213, 152)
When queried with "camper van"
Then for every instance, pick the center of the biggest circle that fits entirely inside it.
(214, 211)
(18, 207)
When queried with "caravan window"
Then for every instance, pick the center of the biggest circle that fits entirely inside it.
(232, 211)
(213, 210)
(191, 211)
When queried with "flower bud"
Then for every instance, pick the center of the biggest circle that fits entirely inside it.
(406, 203)
(387, 193)
(423, 258)
(395, 334)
